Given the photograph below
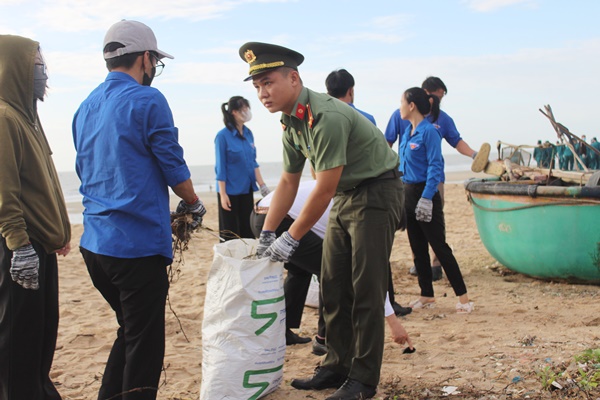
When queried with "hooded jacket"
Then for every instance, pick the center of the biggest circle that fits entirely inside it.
(32, 206)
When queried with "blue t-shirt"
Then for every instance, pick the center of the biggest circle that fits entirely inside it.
(366, 114)
(236, 161)
(421, 157)
(444, 124)
(127, 157)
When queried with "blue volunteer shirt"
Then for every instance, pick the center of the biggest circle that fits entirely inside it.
(127, 157)
(366, 114)
(421, 157)
(444, 124)
(236, 161)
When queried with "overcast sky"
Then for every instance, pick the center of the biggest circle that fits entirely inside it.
(501, 60)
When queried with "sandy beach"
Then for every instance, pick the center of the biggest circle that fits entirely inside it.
(519, 327)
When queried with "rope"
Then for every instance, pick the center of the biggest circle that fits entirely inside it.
(516, 208)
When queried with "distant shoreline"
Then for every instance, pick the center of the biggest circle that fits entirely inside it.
(75, 208)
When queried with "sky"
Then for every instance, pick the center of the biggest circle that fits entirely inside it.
(501, 60)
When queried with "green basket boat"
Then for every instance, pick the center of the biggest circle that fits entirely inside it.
(548, 232)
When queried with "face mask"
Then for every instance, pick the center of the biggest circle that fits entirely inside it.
(147, 80)
(246, 115)
(40, 78)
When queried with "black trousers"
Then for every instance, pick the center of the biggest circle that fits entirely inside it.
(236, 221)
(28, 330)
(136, 290)
(305, 262)
(420, 234)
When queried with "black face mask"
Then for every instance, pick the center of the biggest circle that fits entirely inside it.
(147, 80)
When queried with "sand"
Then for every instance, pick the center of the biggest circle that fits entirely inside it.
(520, 325)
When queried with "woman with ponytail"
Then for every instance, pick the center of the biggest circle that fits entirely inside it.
(422, 165)
(237, 170)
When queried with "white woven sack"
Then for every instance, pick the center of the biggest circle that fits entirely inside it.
(243, 331)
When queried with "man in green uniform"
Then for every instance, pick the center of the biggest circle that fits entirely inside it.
(355, 166)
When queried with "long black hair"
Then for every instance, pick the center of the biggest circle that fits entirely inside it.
(234, 104)
(425, 103)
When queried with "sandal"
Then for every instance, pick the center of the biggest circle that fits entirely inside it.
(415, 304)
(466, 308)
(481, 159)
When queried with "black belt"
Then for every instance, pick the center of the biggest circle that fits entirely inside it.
(391, 174)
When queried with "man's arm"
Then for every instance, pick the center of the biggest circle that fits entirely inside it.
(282, 200)
(317, 202)
(185, 190)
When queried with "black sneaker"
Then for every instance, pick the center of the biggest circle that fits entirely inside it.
(323, 378)
(401, 311)
(353, 390)
(319, 349)
(436, 273)
(293, 338)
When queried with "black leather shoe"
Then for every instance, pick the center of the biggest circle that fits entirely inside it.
(436, 273)
(322, 379)
(401, 311)
(353, 390)
(320, 349)
(293, 338)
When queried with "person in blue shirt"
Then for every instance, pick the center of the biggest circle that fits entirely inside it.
(128, 156)
(340, 84)
(422, 166)
(447, 128)
(237, 170)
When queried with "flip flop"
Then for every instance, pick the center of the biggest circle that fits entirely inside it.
(465, 308)
(481, 159)
(415, 304)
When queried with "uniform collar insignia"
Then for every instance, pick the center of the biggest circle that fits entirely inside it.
(283, 126)
(300, 111)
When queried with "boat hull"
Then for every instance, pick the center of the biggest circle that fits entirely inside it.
(550, 237)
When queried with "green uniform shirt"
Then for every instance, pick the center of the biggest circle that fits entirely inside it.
(330, 133)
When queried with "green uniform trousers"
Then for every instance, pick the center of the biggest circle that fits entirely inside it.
(354, 277)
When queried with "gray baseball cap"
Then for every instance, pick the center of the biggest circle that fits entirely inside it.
(136, 37)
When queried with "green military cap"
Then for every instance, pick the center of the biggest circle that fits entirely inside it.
(263, 57)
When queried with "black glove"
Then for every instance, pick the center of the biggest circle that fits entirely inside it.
(25, 267)
(282, 248)
(265, 240)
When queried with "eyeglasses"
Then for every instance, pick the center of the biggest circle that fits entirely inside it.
(159, 65)
(41, 69)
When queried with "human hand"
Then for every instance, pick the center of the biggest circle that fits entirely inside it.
(25, 267)
(196, 208)
(282, 248)
(424, 210)
(399, 334)
(264, 190)
(225, 202)
(64, 250)
(265, 240)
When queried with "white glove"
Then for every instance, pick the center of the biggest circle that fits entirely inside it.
(25, 267)
(264, 190)
(424, 210)
(283, 248)
(265, 240)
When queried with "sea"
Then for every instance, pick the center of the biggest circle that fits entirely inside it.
(203, 177)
